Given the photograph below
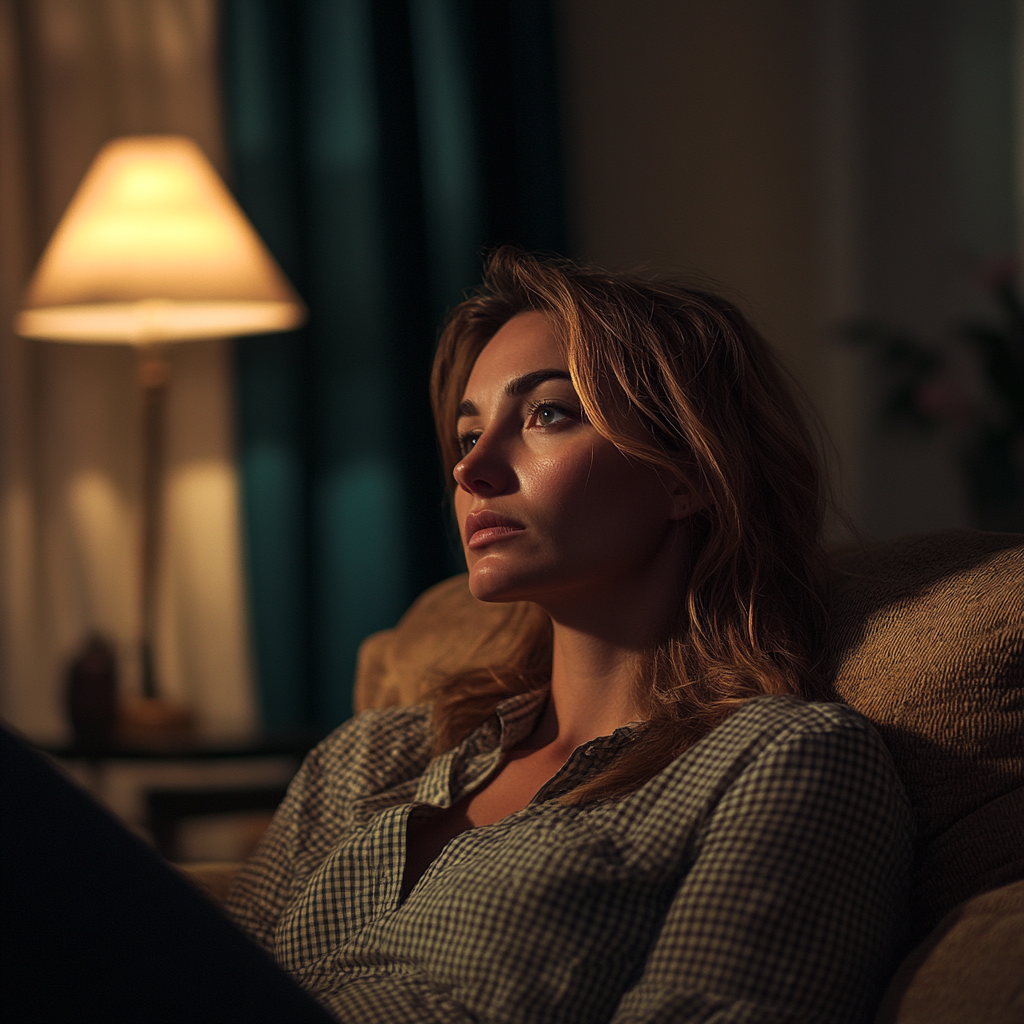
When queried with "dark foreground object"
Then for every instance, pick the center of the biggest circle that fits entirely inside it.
(95, 927)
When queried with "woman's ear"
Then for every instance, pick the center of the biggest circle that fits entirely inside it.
(688, 494)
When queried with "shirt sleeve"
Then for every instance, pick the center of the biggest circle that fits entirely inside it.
(795, 905)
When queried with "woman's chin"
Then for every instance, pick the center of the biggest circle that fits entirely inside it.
(493, 584)
(485, 587)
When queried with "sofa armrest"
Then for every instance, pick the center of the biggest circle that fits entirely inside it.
(212, 878)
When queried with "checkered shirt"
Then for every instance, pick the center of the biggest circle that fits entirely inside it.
(760, 877)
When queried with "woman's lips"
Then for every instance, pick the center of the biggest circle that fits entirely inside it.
(483, 528)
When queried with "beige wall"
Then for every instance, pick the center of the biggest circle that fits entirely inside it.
(691, 145)
(822, 161)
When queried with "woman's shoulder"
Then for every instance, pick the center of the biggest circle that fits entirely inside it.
(794, 715)
(783, 736)
(381, 745)
(778, 721)
(786, 737)
(370, 724)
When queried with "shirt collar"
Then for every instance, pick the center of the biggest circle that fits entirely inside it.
(450, 776)
(518, 716)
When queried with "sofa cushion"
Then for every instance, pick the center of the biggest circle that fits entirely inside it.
(968, 970)
(444, 630)
(927, 641)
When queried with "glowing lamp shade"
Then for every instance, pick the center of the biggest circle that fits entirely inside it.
(153, 248)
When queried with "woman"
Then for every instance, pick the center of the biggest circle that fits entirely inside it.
(640, 817)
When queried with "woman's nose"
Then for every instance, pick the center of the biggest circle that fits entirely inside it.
(483, 470)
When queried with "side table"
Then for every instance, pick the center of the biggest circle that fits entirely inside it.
(163, 792)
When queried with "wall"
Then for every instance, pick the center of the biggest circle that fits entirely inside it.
(690, 145)
(821, 160)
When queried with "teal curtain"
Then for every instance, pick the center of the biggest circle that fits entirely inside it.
(378, 146)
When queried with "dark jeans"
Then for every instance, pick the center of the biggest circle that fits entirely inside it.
(95, 927)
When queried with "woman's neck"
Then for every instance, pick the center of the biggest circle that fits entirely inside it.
(593, 668)
(591, 691)
(600, 632)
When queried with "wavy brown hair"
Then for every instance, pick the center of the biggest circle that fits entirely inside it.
(676, 378)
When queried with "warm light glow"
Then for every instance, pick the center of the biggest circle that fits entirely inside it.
(157, 320)
(153, 248)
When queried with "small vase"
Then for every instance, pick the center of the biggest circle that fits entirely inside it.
(91, 693)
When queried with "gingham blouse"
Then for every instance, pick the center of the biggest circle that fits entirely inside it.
(760, 877)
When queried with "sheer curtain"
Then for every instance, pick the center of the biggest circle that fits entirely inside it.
(73, 75)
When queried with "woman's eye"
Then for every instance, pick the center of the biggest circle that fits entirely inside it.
(467, 442)
(547, 415)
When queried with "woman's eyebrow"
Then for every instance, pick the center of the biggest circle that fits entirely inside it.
(517, 386)
(528, 381)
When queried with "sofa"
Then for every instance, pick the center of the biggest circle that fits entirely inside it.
(927, 641)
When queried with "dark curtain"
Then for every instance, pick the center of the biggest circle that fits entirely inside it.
(378, 146)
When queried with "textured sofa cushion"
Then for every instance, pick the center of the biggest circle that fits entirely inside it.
(445, 629)
(969, 970)
(927, 641)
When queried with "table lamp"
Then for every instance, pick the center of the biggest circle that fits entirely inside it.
(152, 250)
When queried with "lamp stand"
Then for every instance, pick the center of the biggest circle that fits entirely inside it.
(152, 720)
(154, 373)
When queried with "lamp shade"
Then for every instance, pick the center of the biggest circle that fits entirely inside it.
(153, 248)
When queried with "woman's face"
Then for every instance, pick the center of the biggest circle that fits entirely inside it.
(549, 510)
